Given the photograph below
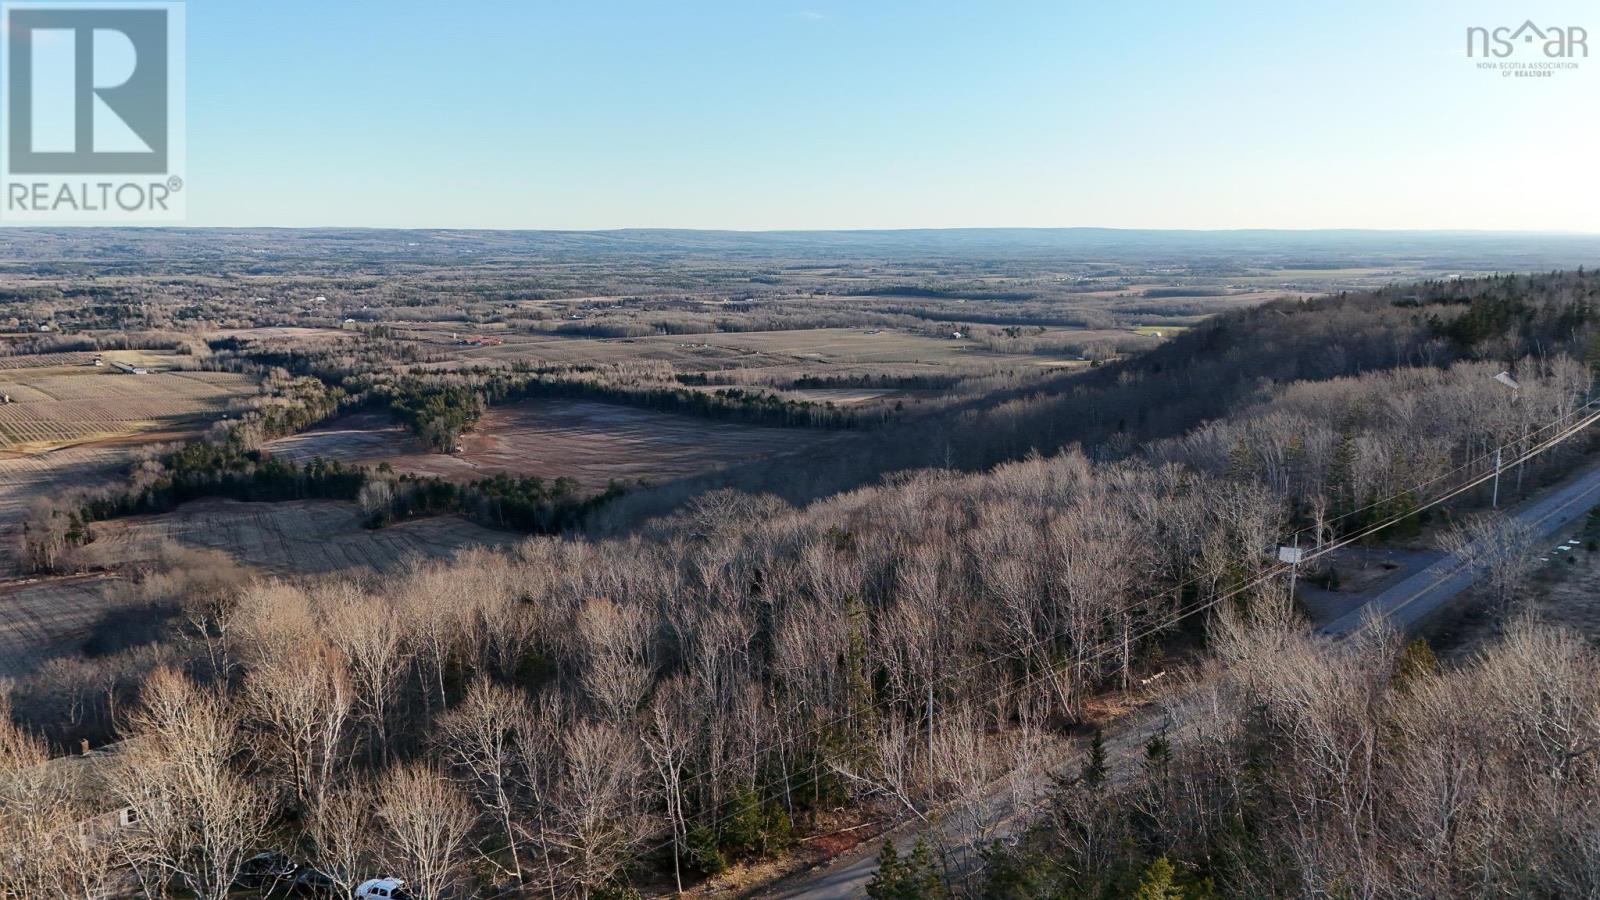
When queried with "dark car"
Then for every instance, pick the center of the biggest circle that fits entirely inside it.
(266, 871)
(308, 882)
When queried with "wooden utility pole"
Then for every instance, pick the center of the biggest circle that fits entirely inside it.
(1294, 567)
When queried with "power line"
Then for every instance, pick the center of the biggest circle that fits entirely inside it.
(1177, 589)
(1019, 683)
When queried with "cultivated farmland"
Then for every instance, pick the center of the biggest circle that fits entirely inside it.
(593, 443)
(818, 347)
(297, 537)
(27, 479)
(57, 406)
(359, 437)
(50, 618)
(54, 617)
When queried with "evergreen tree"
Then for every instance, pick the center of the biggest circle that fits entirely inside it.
(1416, 661)
(1341, 476)
(1157, 751)
(886, 882)
(1094, 768)
(1158, 882)
(916, 877)
(922, 871)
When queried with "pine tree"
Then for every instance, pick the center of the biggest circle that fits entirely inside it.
(1241, 463)
(1416, 661)
(860, 698)
(916, 877)
(923, 873)
(885, 883)
(1157, 751)
(1157, 882)
(1341, 475)
(1094, 768)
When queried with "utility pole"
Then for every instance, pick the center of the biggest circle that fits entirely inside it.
(930, 725)
(1291, 555)
(1294, 567)
(1521, 449)
(1516, 394)
(1494, 503)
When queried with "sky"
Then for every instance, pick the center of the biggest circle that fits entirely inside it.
(824, 114)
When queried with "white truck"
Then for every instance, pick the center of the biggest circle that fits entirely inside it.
(383, 889)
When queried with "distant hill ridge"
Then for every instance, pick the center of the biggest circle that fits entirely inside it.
(1521, 251)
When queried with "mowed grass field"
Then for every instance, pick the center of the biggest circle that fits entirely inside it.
(1162, 331)
(809, 349)
(28, 478)
(50, 618)
(55, 617)
(593, 443)
(359, 437)
(292, 538)
(848, 346)
(72, 401)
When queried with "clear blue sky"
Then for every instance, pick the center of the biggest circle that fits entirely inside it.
(815, 114)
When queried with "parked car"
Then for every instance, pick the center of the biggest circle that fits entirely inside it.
(309, 882)
(266, 871)
(383, 889)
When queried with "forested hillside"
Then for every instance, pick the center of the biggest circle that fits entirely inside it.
(1515, 322)
(1207, 372)
(1362, 770)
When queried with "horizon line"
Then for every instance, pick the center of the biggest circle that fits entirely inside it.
(64, 228)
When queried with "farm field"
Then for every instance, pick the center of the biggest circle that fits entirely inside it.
(547, 350)
(284, 333)
(354, 438)
(46, 360)
(49, 618)
(82, 362)
(25, 479)
(818, 347)
(56, 406)
(291, 538)
(593, 443)
(839, 396)
(1162, 331)
(846, 346)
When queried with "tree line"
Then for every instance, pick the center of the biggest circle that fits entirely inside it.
(1366, 769)
(1205, 374)
(229, 464)
(439, 409)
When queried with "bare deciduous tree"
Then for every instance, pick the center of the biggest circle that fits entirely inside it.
(300, 701)
(1498, 545)
(198, 819)
(596, 807)
(340, 837)
(669, 739)
(478, 737)
(48, 847)
(425, 822)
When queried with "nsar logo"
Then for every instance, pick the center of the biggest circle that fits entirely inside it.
(1555, 42)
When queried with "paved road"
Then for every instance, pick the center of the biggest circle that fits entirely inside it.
(1407, 602)
(846, 875)
(1413, 599)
